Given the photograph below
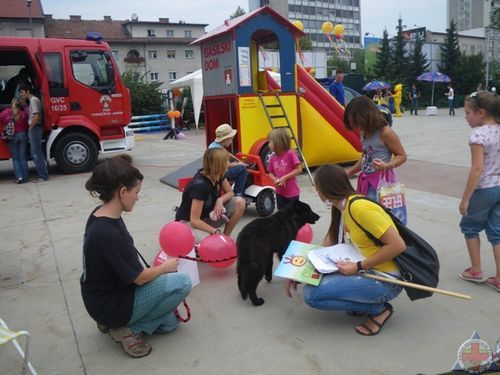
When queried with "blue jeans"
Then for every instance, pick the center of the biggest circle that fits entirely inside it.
(238, 174)
(483, 213)
(350, 293)
(414, 106)
(35, 135)
(155, 302)
(282, 201)
(18, 150)
(451, 107)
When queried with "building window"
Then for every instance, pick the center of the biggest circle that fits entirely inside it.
(170, 33)
(172, 76)
(151, 32)
(188, 34)
(188, 53)
(116, 55)
(153, 54)
(170, 54)
(153, 77)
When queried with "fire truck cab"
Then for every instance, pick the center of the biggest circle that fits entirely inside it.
(85, 106)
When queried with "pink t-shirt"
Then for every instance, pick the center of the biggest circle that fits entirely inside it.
(20, 126)
(282, 165)
(488, 136)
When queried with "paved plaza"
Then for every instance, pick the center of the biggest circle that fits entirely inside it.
(41, 235)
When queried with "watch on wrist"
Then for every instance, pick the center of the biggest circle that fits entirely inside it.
(360, 266)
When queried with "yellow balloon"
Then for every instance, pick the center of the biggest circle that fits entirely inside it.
(338, 29)
(299, 25)
(327, 27)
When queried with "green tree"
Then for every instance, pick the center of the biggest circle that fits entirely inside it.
(471, 71)
(450, 53)
(382, 67)
(239, 12)
(399, 57)
(418, 62)
(145, 97)
(495, 14)
(305, 44)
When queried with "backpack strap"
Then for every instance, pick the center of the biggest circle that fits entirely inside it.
(374, 239)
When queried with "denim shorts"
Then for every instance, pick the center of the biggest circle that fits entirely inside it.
(483, 214)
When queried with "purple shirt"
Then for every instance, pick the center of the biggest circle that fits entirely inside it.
(20, 126)
(282, 165)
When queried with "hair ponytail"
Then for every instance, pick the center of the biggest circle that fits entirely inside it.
(111, 175)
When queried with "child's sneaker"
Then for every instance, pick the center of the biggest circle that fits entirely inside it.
(494, 283)
(470, 275)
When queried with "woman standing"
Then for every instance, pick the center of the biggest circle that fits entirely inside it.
(123, 297)
(346, 290)
(18, 146)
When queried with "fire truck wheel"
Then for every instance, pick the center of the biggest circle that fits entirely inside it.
(76, 153)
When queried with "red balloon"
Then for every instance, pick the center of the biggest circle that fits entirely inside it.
(176, 239)
(160, 257)
(305, 233)
(217, 247)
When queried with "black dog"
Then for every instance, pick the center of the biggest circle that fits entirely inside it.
(261, 238)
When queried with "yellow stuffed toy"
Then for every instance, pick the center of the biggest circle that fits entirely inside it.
(398, 94)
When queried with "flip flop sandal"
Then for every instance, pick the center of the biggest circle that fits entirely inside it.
(355, 313)
(492, 281)
(473, 276)
(370, 332)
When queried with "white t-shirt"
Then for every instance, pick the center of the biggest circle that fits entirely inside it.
(488, 136)
(451, 94)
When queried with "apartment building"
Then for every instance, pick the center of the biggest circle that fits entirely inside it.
(473, 18)
(314, 13)
(160, 50)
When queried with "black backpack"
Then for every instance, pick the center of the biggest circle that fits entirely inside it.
(418, 264)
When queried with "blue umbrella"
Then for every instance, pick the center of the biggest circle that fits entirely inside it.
(376, 85)
(433, 77)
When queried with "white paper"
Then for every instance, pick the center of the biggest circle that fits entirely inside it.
(190, 267)
(324, 259)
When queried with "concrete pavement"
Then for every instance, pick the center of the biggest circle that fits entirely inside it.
(40, 265)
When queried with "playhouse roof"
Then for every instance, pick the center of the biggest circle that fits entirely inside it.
(234, 23)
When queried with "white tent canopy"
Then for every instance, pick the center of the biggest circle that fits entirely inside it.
(195, 83)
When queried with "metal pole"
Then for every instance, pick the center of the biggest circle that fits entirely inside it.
(28, 5)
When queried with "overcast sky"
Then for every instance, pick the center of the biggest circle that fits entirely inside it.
(375, 14)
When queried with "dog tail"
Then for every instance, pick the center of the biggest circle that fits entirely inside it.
(243, 283)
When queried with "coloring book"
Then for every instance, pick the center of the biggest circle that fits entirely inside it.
(325, 258)
(296, 266)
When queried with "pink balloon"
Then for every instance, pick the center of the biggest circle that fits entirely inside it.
(305, 233)
(217, 247)
(176, 239)
(160, 257)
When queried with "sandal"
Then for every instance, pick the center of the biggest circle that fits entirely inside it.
(371, 318)
(494, 283)
(473, 276)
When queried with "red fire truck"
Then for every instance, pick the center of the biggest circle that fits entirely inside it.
(85, 106)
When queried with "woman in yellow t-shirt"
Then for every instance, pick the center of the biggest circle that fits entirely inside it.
(346, 290)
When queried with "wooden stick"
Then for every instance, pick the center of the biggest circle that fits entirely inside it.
(416, 286)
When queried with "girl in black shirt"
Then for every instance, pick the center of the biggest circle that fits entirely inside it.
(123, 297)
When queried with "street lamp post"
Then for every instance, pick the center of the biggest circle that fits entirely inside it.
(28, 5)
